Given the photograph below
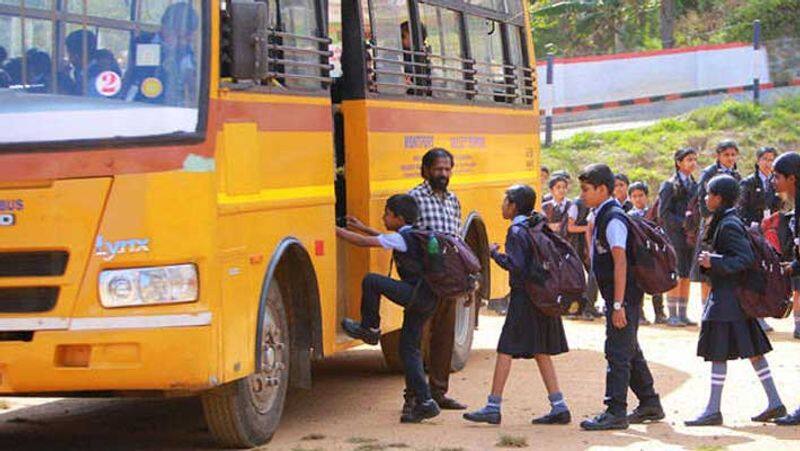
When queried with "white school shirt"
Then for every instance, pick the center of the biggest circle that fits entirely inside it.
(394, 240)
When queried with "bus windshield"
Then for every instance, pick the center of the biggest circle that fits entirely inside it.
(99, 69)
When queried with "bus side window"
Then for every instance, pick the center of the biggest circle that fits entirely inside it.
(486, 44)
(386, 28)
(445, 52)
(521, 73)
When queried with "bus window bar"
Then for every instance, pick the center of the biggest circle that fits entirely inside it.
(285, 62)
(371, 70)
(299, 50)
(284, 34)
(395, 51)
(277, 75)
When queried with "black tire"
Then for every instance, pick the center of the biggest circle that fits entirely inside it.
(245, 413)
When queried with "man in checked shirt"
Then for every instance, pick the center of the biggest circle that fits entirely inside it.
(440, 211)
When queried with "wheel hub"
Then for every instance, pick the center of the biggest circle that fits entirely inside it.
(265, 383)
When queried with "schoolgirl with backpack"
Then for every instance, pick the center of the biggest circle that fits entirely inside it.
(786, 170)
(530, 331)
(727, 332)
(698, 215)
(673, 202)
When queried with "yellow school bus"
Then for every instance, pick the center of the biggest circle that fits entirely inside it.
(173, 171)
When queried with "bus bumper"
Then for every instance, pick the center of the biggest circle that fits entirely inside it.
(150, 358)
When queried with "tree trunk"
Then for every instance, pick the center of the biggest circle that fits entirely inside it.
(667, 16)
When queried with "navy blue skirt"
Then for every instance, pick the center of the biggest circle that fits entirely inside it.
(527, 332)
(731, 340)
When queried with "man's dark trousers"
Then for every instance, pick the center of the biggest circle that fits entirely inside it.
(627, 366)
(443, 329)
(419, 304)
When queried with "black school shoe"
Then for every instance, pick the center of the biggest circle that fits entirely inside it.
(643, 414)
(712, 419)
(354, 329)
(447, 403)
(606, 421)
(770, 414)
(789, 420)
(483, 417)
(563, 417)
(422, 411)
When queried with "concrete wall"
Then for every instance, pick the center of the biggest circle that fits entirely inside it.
(608, 78)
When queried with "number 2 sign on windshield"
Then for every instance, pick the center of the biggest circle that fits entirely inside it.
(108, 83)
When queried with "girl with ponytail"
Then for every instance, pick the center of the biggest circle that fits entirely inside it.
(787, 181)
(674, 196)
(726, 333)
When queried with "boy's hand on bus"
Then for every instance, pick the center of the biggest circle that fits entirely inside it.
(494, 248)
(354, 223)
(618, 319)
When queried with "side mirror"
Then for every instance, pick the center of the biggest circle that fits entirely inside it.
(249, 43)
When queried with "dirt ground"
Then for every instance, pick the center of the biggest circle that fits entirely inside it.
(355, 404)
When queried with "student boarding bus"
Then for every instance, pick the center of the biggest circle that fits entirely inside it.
(173, 171)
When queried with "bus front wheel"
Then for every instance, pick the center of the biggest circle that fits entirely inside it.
(245, 413)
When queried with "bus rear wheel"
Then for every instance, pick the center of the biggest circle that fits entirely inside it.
(462, 340)
(245, 413)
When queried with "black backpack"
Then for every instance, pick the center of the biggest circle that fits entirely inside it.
(450, 267)
(766, 289)
(556, 272)
(651, 257)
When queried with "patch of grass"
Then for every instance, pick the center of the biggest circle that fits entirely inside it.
(512, 441)
(646, 153)
(313, 436)
(359, 440)
(397, 445)
(710, 448)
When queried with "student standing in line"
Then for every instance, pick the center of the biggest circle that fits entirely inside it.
(674, 197)
(578, 234)
(621, 183)
(527, 333)
(411, 292)
(544, 179)
(627, 366)
(726, 333)
(787, 181)
(759, 199)
(638, 192)
(555, 209)
(727, 154)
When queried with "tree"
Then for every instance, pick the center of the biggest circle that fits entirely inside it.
(667, 15)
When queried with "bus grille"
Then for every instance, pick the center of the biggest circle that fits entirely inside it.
(33, 264)
(27, 299)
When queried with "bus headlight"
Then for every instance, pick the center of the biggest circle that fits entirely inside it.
(148, 286)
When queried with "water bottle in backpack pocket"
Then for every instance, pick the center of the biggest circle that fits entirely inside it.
(451, 269)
